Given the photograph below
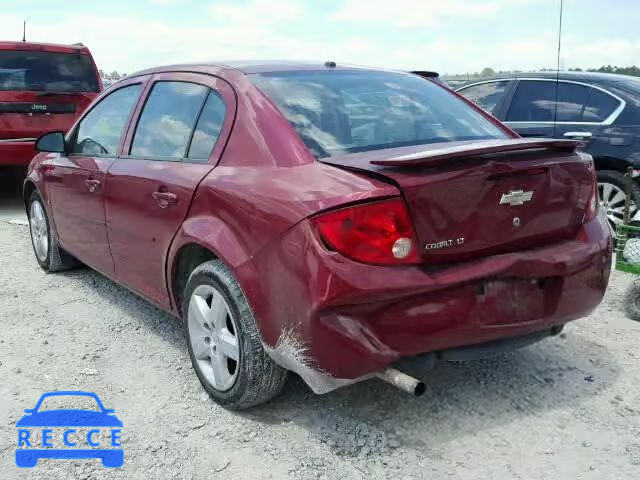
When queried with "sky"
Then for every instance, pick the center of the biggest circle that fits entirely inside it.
(449, 36)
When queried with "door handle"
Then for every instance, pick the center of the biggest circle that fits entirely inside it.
(579, 135)
(92, 184)
(165, 199)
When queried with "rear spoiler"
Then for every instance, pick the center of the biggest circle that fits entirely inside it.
(429, 75)
(473, 149)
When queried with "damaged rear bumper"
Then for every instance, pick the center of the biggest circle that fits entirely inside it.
(334, 321)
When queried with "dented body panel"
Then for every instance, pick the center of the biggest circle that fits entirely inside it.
(343, 320)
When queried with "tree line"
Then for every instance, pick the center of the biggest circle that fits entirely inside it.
(115, 75)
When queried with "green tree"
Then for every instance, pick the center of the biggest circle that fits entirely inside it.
(487, 72)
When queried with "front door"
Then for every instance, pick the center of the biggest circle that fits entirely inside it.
(177, 140)
(76, 182)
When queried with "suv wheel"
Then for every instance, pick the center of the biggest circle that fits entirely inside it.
(611, 193)
(224, 343)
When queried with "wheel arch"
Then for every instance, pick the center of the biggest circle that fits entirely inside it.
(27, 190)
(201, 239)
(611, 163)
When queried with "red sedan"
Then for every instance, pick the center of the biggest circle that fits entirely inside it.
(320, 219)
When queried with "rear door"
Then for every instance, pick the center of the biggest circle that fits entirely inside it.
(176, 139)
(532, 108)
(76, 182)
(599, 109)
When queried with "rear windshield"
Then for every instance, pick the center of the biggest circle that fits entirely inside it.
(36, 70)
(348, 111)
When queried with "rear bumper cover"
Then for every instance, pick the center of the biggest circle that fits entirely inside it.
(334, 321)
(16, 152)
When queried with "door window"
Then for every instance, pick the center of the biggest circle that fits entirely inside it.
(100, 130)
(168, 119)
(571, 100)
(599, 106)
(486, 95)
(535, 101)
(208, 128)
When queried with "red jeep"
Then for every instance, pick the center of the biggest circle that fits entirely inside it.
(43, 88)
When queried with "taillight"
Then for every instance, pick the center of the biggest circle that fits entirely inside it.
(380, 233)
(592, 204)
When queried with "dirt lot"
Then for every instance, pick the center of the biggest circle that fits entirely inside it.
(566, 408)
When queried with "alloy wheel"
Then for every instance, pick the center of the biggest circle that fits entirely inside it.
(213, 335)
(612, 199)
(39, 231)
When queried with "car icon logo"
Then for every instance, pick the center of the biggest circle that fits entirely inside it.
(69, 433)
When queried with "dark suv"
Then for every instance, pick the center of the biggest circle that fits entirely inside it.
(43, 88)
(601, 109)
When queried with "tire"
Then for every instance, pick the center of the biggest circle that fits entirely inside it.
(617, 183)
(50, 256)
(632, 301)
(214, 312)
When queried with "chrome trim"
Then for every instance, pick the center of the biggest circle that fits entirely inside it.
(15, 140)
(607, 121)
(578, 134)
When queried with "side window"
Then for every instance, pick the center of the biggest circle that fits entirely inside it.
(599, 106)
(100, 131)
(571, 99)
(486, 95)
(168, 119)
(208, 128)
(535, 101)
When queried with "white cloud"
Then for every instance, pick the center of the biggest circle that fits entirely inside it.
(260, 29)
(258, 12)
(417, 14)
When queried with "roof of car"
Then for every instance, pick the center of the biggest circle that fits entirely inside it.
(598, 77)
(48, 47)
(256, 66)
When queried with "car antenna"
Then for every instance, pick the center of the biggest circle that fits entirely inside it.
(24, 30)
(555, 110)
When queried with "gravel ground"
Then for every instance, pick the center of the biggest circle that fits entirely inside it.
(568, 407)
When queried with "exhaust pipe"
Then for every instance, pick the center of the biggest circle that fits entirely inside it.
(403, 381)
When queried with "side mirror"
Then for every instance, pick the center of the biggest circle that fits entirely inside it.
(29, 410)
(53, 142)
(109, 411)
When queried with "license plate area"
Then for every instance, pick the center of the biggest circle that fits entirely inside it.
(513, 301)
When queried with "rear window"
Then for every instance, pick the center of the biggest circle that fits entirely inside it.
(46, 71)
(599, 107)
(355, 111)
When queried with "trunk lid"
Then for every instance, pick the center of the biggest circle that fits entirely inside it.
(469, 199)
(29, 114)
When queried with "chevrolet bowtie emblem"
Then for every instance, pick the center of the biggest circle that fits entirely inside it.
(516, 197)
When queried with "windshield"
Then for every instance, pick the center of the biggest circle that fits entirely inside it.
(355, 111)
(46, 71)
(66, 402)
